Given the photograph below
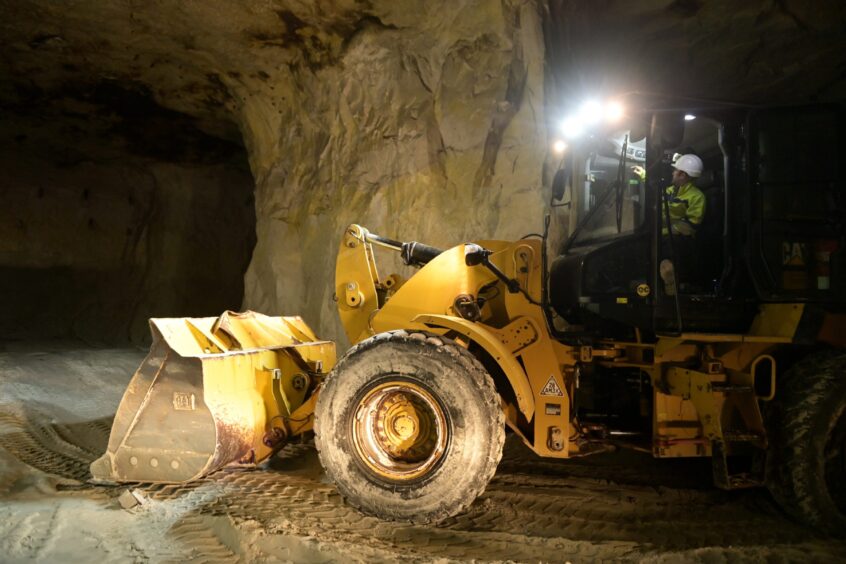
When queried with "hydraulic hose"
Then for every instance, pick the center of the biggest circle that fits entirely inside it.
(413, 253)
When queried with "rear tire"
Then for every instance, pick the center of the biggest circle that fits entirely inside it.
(409, 427)
(806, 465)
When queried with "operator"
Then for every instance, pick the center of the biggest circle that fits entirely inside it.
(640, 172)
(687, 208)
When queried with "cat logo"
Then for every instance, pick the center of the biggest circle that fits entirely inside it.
(643, 290)
(792, 254)
(551, 388)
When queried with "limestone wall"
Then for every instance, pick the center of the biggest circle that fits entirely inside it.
(429, 127)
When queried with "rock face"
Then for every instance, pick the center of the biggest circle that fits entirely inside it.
(429, 127)
(423, 120)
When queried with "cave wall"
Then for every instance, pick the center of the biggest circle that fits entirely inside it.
(429, 127)
(96, 238)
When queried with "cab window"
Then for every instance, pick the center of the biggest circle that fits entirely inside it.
(612, 196)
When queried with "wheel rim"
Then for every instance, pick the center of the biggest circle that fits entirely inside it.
(399, 431)
(835, 462)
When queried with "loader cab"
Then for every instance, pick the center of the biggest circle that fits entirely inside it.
(770, 232)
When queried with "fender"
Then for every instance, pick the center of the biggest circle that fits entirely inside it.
(494, 347)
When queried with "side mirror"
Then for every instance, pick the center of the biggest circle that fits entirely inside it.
(560, 182)
(667, 129)
(639, 129)
(563, 177)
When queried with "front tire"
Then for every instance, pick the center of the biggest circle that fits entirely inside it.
(409, 427)
(806, 465)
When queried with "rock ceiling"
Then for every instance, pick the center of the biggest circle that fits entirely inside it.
(208, 59)
(772, 51)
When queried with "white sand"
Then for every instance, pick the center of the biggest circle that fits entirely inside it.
(55, 405)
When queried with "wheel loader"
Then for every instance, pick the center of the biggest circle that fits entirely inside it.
(743, 361)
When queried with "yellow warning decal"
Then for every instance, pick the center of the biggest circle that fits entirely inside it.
(551, 388)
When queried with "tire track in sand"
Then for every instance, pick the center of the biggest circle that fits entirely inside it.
(41, 446)
(529, 512)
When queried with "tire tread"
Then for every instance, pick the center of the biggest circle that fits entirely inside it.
(484, 383)
(791, 465)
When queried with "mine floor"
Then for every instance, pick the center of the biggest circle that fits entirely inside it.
(56, 405)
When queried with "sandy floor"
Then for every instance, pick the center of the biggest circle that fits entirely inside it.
(56, 404)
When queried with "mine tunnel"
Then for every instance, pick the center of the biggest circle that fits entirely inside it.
(117, 210)
(475, 280)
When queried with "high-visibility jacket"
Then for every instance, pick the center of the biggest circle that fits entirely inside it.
(687, 208)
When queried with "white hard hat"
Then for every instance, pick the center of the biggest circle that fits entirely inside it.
(691, 164)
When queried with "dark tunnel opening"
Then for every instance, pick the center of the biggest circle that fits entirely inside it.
(116, 209)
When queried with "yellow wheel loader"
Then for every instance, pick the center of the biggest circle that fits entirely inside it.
(740, 358)
(410, 423)
(743, 360)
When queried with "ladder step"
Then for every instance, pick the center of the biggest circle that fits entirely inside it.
(742, 437)
(731, 389)
(745, 480)
(732, 480)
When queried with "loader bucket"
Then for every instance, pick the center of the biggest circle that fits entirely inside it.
(214, 391)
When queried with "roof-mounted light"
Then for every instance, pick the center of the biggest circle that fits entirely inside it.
(591, 114)
(572, 127)
(614, 111)
(559, 147)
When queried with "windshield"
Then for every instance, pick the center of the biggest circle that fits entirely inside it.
(612, 200)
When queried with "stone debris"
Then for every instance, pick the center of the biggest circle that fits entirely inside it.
(131, 498)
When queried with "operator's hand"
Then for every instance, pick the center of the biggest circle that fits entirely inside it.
(640, 172)
(683, 227)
